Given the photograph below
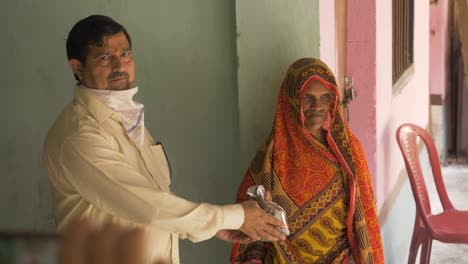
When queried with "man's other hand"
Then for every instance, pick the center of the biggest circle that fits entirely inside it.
(83, 244)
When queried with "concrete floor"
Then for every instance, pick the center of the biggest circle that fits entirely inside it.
(456, 182)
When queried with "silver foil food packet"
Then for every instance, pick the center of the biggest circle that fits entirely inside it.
(257, 192)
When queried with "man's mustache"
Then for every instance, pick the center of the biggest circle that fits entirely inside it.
(116, 75)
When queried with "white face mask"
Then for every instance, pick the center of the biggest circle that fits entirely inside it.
(132, 112)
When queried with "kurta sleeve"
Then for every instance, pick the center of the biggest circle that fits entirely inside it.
(99, 173)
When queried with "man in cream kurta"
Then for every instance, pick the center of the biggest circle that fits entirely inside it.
(104, 165)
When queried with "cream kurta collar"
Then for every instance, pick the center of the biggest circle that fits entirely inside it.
(96, 108)
(131, 113)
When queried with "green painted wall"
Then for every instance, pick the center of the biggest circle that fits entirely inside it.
(271, 34)
(187, 64)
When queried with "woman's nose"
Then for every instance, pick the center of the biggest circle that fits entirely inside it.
(315, 103)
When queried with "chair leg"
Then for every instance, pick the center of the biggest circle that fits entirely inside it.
(415, 243)
(426, 251)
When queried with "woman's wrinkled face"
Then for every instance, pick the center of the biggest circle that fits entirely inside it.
(315, 104)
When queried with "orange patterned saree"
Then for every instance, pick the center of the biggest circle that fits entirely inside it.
(325, 188)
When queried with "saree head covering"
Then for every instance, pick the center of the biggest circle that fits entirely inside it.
(325, 187)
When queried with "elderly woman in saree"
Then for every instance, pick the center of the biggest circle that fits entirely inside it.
(316, 169)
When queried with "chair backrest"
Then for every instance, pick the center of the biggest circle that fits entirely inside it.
(407, 135)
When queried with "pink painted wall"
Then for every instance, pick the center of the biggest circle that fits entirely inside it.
(378, 110)
(409, 104)
(328, 45)
(439, 47)
(361, 66)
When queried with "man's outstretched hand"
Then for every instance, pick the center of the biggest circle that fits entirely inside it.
(259, 225)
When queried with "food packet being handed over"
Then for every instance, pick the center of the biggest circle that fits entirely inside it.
(257, 192)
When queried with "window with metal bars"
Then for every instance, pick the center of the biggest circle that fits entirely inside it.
(403, 14)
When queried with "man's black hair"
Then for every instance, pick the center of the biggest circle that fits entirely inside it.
(91, 31)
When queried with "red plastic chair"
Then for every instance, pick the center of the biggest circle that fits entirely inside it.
(450, 226)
